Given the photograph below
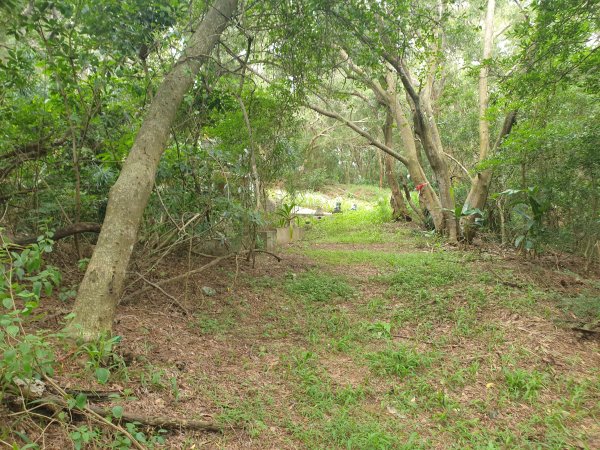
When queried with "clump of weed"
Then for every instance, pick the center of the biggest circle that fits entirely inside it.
(401, 361)
(523, 384)
(214, 325)
(433, 270)
(585, 305)
(318, 287)
(379, 330)
(249, 414)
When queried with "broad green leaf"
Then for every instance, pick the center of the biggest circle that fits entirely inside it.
(102, 375)
(117, 412)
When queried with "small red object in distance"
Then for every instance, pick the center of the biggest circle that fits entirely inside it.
(418, 187)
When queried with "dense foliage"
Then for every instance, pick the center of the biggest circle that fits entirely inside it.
(482, 117)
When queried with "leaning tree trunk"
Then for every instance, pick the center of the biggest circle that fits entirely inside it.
(428, 196)
(399, 209)
(432, 145)
(103, 282)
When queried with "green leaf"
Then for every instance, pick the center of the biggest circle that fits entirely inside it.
(8, 303)
(81, 401)
(519, 240)
(12, 330)
(102, 375)
(117, 412)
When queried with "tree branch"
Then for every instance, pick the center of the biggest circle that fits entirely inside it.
(374, 142)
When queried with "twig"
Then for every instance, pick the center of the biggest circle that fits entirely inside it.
(164, 207)
(159, 284)
(95, 395)
(156, 286)
(177, 278)
(95, 412)
(459, 164)
(98, 413)
(278, 258)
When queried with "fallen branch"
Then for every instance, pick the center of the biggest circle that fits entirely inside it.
(168, 423)
(99, 396)
(58, 403)
(76, 228)
(278, 258)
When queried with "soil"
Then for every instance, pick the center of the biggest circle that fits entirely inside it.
(231, 348)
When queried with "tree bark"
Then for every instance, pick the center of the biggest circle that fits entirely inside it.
(428, 196)
(103, 282)
(426, 129)
(399, 209)
(481, 182)
(389, 98)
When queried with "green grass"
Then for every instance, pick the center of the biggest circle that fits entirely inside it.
(423, 270)
(406, 261)
(585, 305)
(363, 226)
(217, 325)
(335, 414)
(415, 396)
(523, 384)
(400, 361)
(423, 355)
(318, 287)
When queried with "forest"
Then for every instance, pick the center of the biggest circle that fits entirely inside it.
(358, 224)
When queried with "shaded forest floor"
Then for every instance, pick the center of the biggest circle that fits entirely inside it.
(366, 336)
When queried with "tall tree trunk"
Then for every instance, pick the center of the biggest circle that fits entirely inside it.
(426, 128)
(481, 182)
(103, 282)
(399, 209)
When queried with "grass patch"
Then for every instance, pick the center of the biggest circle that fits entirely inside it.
(401, 361)
(415, 271)
(261, 283)
(318, 287)
(338, 418)
(522, 384)
(364, 226)
(214, 325)
(441, 266)
(585, 306)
